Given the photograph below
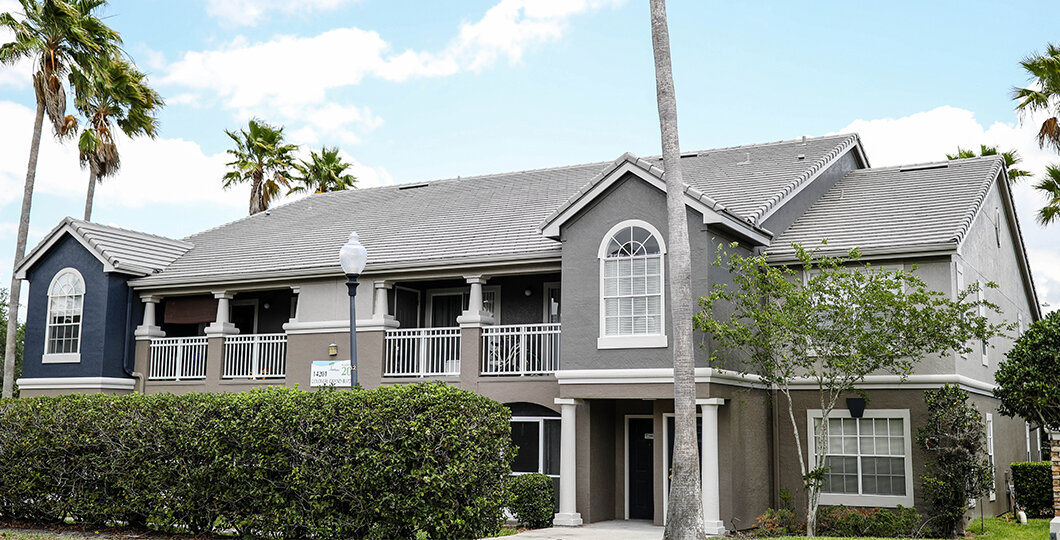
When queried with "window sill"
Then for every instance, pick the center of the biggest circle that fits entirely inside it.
(62, 358)
(657, 341)
(882, 501)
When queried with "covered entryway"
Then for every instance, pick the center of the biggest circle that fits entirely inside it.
(640, 456)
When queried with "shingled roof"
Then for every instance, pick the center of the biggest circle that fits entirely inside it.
(466, 220)
(926, 206)
(120, 250)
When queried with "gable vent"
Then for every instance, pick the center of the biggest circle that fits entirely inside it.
(413, 186)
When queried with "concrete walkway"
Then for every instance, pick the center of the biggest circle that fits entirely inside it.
(604, 530)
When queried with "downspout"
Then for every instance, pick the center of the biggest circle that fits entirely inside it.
(139, 377)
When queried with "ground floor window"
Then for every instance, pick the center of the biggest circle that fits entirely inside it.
(538, 440)
(868, 458)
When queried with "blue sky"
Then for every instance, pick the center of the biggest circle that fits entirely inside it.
(423, 90)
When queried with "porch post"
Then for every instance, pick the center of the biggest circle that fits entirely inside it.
(381, 308)
(150, 328)
(221, 325)
(568, 515)
(709, 468)
(475, 314)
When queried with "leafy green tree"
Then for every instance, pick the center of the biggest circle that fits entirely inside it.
(1042, 94)
(323, 172)
(1050, 186)
(60, 37)
(1028, 379)
(115, 94)
(959, 470)
(1012, 158)
(831, 321)
(264, 159)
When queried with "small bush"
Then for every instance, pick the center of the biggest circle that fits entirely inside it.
(392, 462)
(531, 500)
(781, 522)
(1033, 483)
(868, 522)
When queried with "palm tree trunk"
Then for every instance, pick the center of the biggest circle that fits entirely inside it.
(255, 193)
(20, 252)
(684, 519)
(91, 192)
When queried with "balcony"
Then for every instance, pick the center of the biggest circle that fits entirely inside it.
(177, 359)
(520, 349)
(422, 352)
(255, 356)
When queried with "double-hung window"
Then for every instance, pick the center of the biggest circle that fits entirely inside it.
(868, 459)
(66, 299)
(631, 287)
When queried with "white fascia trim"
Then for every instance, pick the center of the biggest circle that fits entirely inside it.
(656, 341)
(722, 376)
(52, 239)
(61, 358)
(798, 189)
(77, 383)
(942, 249)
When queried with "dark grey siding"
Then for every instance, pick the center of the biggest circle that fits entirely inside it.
(106, 320)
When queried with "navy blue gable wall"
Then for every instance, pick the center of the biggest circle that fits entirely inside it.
(104, 334)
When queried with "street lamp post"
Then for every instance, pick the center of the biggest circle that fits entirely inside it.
(353, 257)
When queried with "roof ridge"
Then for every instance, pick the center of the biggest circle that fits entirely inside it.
(760, 145)
(848, 142)
(959, 161)
(80, 223)
(980, 199)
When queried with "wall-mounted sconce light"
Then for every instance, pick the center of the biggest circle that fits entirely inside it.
(856, 406)
(333, 350)
(528, 292)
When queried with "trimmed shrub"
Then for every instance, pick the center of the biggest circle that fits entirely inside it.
(1033, 484)
(278, 462)
(532, 500)
(868, 522)
(781, 522)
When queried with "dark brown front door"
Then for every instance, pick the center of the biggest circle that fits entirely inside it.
(641, 480)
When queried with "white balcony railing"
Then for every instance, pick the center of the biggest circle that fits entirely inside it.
(177, 359)
(422, 352)
(520, 349)
(255, 356)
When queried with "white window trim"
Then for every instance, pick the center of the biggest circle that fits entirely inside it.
(463, 291)
(990, 454)
(545, 288)
(848, 499)
(638, 341)
(63, 358)
(540, 421)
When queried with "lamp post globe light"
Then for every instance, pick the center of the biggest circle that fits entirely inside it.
(353, 257)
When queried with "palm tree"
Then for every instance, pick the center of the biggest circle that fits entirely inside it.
(263, 159)
(1012, 158)
(323, 172)
(60, 36)
(1050, 185)
(1043, 94)
(117, 93)
(684, 518)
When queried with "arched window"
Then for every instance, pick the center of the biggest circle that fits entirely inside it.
(66, 298)
(631, 287)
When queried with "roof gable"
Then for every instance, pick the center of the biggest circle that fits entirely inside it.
(120, 250)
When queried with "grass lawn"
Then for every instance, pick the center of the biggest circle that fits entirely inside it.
(996, 529)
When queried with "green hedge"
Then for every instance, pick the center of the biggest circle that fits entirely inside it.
(1032, 482)
(868, 522)
(384, 463)
(531, 500)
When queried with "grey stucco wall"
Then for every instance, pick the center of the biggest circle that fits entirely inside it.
(104, 326)
(983, 258)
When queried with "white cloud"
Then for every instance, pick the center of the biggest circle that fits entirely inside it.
(242, 75)
(19, 74)
(929, 136)
(251, 12)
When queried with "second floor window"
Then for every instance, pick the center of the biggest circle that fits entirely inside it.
(66, 299)
(632, 278)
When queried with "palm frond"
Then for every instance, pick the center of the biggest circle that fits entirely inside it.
(1050, 186)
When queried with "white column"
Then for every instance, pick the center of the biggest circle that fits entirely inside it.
(381, 319)
(149, 329)
(221, 325)
(568, 515)
(709, 469)
(475, 314)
